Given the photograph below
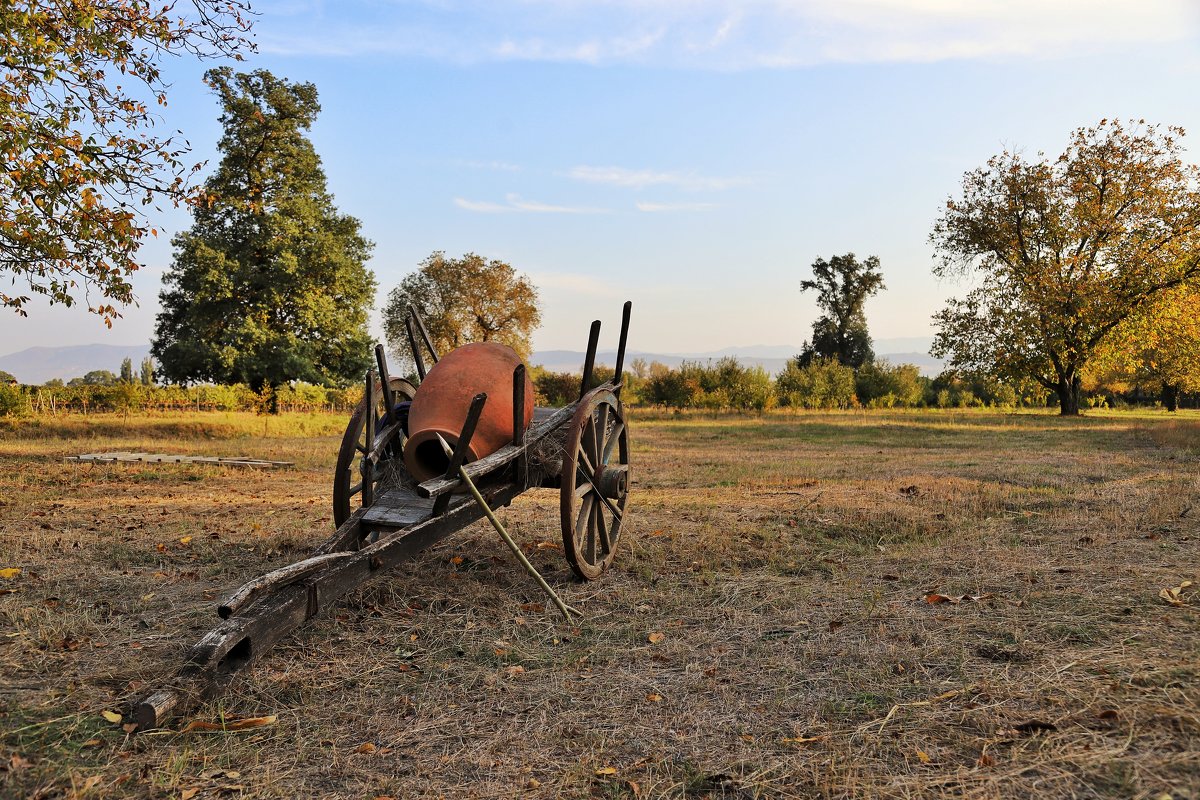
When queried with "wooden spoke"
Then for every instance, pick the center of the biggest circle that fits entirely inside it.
(597, 440)
(614, 439)
(348, 472)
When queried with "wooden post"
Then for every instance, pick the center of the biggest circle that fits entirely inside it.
(589, 361)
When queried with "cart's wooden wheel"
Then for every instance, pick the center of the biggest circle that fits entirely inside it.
(595, 483)
(347, 476)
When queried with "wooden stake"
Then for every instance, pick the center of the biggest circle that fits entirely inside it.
(566, 610)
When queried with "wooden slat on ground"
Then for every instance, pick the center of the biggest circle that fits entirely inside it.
(167, 458)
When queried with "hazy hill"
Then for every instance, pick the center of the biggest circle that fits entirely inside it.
(40, 364)
(772, 358)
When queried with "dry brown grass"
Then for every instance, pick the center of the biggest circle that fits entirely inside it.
(785, 560)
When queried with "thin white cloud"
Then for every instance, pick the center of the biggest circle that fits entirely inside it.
(641, 178)
(722, 34)
(514, 203)
(657, 207)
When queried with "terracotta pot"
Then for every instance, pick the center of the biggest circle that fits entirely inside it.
(444, 397)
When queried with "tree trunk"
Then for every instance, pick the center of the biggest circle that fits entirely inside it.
(1170, 396)
(1068, 396)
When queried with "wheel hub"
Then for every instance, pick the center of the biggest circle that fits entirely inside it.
(613, 481)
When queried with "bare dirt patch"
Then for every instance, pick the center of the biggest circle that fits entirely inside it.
(766, 631)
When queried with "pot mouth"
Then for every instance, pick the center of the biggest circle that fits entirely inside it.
(425, 458)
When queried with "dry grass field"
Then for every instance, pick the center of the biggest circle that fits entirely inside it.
(767, 630)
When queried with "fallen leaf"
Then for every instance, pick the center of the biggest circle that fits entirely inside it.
(1174, 595)
(653, 698)
(129, 727)
(111, 716)
(89, 784)
(921, 754)
(603, 771)
(365, 747)
(945, 598)
(532, 783)
(535, 608)
(229, 724)
(16, 762)
(548, 546)
(986, 761)
(160, 547)
(634, 788)
(9, 573)
(188, 794)
(655, 638)
(186, 540)
(456, 560)
(93, 743)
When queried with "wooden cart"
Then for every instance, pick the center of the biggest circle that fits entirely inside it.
(384, 517)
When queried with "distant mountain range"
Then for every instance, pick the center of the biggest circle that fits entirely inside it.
(39, 364)
(772, 358)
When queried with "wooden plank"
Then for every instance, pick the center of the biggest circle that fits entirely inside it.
(169, 458)
(398, 508)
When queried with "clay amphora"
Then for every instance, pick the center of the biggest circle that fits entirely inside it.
(444, 397)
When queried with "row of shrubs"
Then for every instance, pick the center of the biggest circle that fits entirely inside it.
(723, 384)
(130, 397)
(727, 384)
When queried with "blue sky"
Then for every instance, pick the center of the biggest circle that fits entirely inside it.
(694, 156)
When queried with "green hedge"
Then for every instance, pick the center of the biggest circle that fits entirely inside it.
(131, 397)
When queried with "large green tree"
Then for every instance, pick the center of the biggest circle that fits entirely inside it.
(842, 284)
(80, 159)
(463, 300)
(269, 285)
(1063, 251)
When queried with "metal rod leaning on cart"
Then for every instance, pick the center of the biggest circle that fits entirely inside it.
(421, 329)
(566, 610)
(385, 380)
(418, 362)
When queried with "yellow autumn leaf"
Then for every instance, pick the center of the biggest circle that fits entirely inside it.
(603, 771)
(185, 540)
(653, 698)
(655, 638)
(111, 716)
(9, 573)
(921, 754)
(1174, 595)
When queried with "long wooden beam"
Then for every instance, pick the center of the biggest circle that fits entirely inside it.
(253, 628)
